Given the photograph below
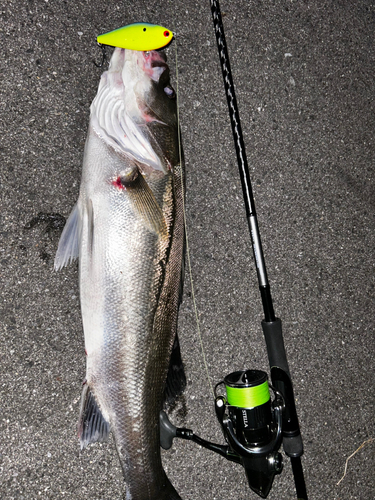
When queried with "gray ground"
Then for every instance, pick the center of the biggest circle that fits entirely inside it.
(304, 74)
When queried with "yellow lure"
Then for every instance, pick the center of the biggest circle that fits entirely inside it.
(138, 36)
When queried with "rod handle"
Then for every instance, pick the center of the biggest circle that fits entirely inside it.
(281, 380)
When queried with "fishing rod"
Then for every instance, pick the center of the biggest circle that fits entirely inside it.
(253, 425)
(280, 375)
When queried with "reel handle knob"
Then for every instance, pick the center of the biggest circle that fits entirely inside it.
(167, 431)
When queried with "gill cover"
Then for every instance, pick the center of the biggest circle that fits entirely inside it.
(138, 36)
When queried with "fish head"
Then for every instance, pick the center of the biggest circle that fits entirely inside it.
(136, 109)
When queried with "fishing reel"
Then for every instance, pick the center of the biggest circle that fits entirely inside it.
(252, 427)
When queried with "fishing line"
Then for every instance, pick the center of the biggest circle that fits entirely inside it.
(186, 232)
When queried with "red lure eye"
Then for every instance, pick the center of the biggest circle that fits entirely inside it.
(166, 33)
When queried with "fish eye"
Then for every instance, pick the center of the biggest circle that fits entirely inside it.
(169, 92)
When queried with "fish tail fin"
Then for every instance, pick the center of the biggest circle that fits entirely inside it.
(92, 426)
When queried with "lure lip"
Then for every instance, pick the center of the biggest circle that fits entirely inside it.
(133, 37)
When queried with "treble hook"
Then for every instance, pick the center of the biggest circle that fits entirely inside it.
(104, 56)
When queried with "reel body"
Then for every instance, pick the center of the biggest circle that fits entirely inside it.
(251, 424)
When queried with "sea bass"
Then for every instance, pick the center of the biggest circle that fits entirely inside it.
(127, 229)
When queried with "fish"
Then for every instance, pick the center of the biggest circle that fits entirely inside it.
(127, 231)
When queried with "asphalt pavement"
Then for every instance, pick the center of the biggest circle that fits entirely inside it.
(304, 77)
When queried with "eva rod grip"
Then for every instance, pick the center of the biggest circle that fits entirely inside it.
(281, 380)
(275, 345)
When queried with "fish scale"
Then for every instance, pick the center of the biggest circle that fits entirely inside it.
(129, 222)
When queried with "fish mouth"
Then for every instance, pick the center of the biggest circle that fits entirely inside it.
(154, 64)
(157, 56)
(158, 64)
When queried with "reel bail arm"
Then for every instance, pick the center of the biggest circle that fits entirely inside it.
(168, 432)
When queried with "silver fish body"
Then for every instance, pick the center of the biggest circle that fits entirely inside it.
(128, 231)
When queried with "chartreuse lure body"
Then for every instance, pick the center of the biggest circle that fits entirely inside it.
(138, 36)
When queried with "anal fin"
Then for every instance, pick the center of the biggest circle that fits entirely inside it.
(92, 425)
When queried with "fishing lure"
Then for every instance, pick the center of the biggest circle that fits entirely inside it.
(138, 36)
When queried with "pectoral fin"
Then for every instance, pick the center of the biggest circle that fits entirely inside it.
(143, 201)
(68, 249)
